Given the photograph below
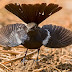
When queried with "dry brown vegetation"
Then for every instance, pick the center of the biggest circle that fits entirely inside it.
(51, 60)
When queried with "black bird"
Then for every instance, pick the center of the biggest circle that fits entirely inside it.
(31, 35)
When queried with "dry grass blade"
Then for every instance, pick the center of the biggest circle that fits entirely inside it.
(19, 57)
(1, 70)
(48, 66)
(38, 70)
(10, 52)
(62, 57)
(55, 68)
(4, 66)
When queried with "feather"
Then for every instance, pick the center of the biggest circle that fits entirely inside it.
(12, 35)
(60, 37)
(33, 12)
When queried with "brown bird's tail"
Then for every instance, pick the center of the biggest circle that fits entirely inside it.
(33, 12)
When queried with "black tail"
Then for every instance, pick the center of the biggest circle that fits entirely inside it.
(33, 13)
(60, 37)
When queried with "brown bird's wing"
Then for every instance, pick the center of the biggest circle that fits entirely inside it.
(12, 35)
(33, 12)
(60, 37)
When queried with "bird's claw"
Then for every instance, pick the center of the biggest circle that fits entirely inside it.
(23, 61)
(35, 61)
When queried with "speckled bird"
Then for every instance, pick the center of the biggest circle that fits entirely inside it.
(29, 34)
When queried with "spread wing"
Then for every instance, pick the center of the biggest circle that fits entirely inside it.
(12, 35)
(33, 13)
(60, 37)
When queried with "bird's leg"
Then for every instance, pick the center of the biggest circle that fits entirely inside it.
(24, 57)
(38, 54)
(37, 57)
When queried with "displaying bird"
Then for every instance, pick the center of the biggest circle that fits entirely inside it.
(31, 35)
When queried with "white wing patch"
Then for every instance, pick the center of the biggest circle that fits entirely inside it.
(18, 39)
(45, 41)
(14, 39)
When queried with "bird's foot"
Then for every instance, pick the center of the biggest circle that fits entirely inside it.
(23, 61)
(35, 61)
